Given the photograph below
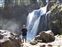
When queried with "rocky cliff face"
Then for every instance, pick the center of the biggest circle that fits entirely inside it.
(54, 18)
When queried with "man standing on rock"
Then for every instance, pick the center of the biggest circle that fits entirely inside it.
(24, 33)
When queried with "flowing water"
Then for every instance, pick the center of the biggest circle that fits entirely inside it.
(33, 20)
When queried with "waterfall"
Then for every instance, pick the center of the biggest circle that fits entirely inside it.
(33, 20)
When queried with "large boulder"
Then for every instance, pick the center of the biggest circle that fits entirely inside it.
(45, 37)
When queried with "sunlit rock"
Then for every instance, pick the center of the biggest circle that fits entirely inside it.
(49, 32)
(45, 37)
(7, 39)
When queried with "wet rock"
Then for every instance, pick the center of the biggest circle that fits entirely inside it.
(39, 41)
(42, 46)
(49, 45)
(45, 37)
(1, 36)
(55, 17)
(33, 42)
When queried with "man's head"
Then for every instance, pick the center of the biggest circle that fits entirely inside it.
(24, 26)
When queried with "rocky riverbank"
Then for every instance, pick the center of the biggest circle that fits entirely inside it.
(8, 39)
(11, 41)
(56, 43)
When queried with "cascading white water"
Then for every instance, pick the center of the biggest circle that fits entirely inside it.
(33, 20)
